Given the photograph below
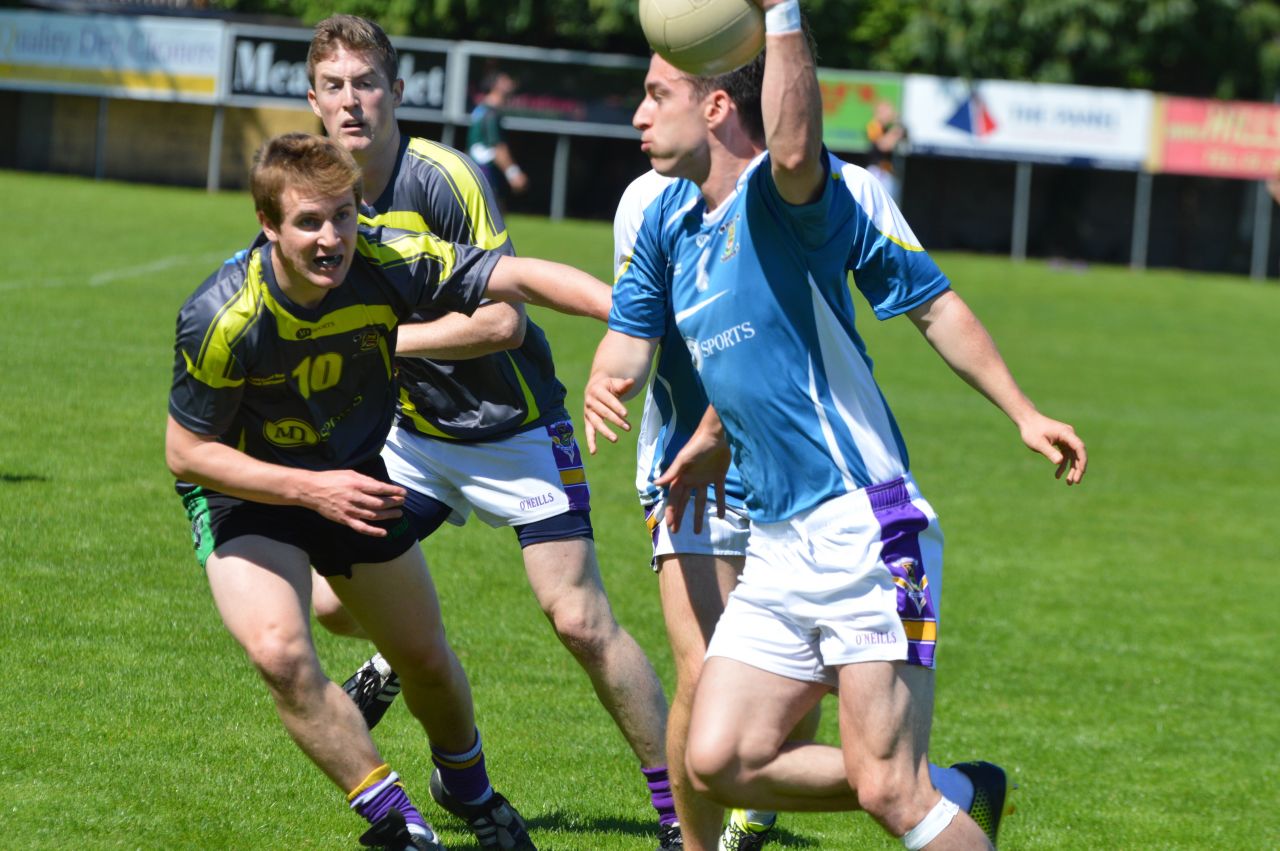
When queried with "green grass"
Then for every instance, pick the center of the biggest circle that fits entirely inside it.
(1113, 645)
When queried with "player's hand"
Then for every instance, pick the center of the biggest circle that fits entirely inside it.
(354, 499)
(602, 404)
(702, 463)
(1059, 443)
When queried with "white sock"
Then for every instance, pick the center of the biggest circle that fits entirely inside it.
(931, 825)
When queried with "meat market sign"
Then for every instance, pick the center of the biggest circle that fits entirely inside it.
(269, 68)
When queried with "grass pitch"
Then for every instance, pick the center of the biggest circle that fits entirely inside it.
(1113, 645)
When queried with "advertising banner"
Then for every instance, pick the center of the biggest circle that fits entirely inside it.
(111, 55)
(849, 99)
(1035, 122)
(269, 68)
(574, 90)
(1215, 138)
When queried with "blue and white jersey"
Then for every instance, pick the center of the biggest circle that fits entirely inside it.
(674, 401)
(758, 291)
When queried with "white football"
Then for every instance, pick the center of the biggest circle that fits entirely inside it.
(703, 37)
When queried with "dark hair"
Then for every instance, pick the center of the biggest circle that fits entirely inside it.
(490, 80)
(301, 160)
(743, 86)
(357, 35)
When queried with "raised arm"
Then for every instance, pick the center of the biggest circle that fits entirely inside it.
(343, 496)
(494, 327)
(792, 105)
(961, 340)
(549, 284)
(619, 370)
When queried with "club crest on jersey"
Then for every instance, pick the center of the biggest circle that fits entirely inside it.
(562, 437)
(730, 232)
(911, 579)
(695, 352)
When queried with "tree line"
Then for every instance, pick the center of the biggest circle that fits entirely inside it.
(1209, 48)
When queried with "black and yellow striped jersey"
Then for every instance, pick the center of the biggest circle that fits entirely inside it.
(311, 387)
(436, 189)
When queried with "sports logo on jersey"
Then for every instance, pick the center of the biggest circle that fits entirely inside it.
(730, 232)
(290, 433)
(973, 117)
(562, 437)
(695, 352)
(912, 581)
(368, 340)
(266, 380)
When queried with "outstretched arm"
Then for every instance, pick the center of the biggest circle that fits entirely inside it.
(962, 341)
(792, 105)
(549, 284)
(494, 327)
(343, 496)
(618, 371)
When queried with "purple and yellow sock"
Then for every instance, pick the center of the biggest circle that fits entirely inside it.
(464, 774)
(381, 792)
(660, 793)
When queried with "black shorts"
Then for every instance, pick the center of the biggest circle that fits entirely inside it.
(332, 547)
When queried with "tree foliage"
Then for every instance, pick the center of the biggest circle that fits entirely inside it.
(1223, 48)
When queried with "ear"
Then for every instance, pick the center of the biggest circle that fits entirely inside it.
(397, 92)
(311, 99)
(718, 108)
(267, 228)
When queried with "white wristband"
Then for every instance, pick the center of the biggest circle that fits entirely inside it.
(783, 18)
(512, 172)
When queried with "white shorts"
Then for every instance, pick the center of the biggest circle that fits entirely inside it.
(530, 476)
(856, 579)
(721, 536)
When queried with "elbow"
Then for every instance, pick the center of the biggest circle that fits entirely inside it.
(508, 333)
(177, 462)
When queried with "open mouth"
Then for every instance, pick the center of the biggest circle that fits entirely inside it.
(329, 262)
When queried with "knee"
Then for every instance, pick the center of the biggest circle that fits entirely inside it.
(584, 626)
(287, 664)
(428, 661)
(715, 765)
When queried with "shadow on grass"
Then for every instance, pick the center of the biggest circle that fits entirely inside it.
(21, 478)
(570, 823)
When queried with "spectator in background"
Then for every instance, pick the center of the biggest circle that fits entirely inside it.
(485, 138)
(885, 133)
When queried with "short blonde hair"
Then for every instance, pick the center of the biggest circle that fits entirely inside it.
(304, 161)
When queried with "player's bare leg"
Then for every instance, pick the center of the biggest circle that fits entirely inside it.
(886, 711)
(693, 589)
(261, 588)
(330, 612)
(738, 753)
(396, 604)
(565, 579)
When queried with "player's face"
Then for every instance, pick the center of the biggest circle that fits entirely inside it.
(314, 244)
(356, 103)
(672, 124)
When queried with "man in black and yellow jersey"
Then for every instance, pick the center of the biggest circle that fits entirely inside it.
(283, 392)
(482, 425)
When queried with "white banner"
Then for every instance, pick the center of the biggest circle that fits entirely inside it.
(113, 55)
(1039, 122)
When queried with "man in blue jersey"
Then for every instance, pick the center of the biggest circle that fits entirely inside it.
(482, 426)
(748, 258)
(282, 395)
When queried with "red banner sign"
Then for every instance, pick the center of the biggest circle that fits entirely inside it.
(1215, 138)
